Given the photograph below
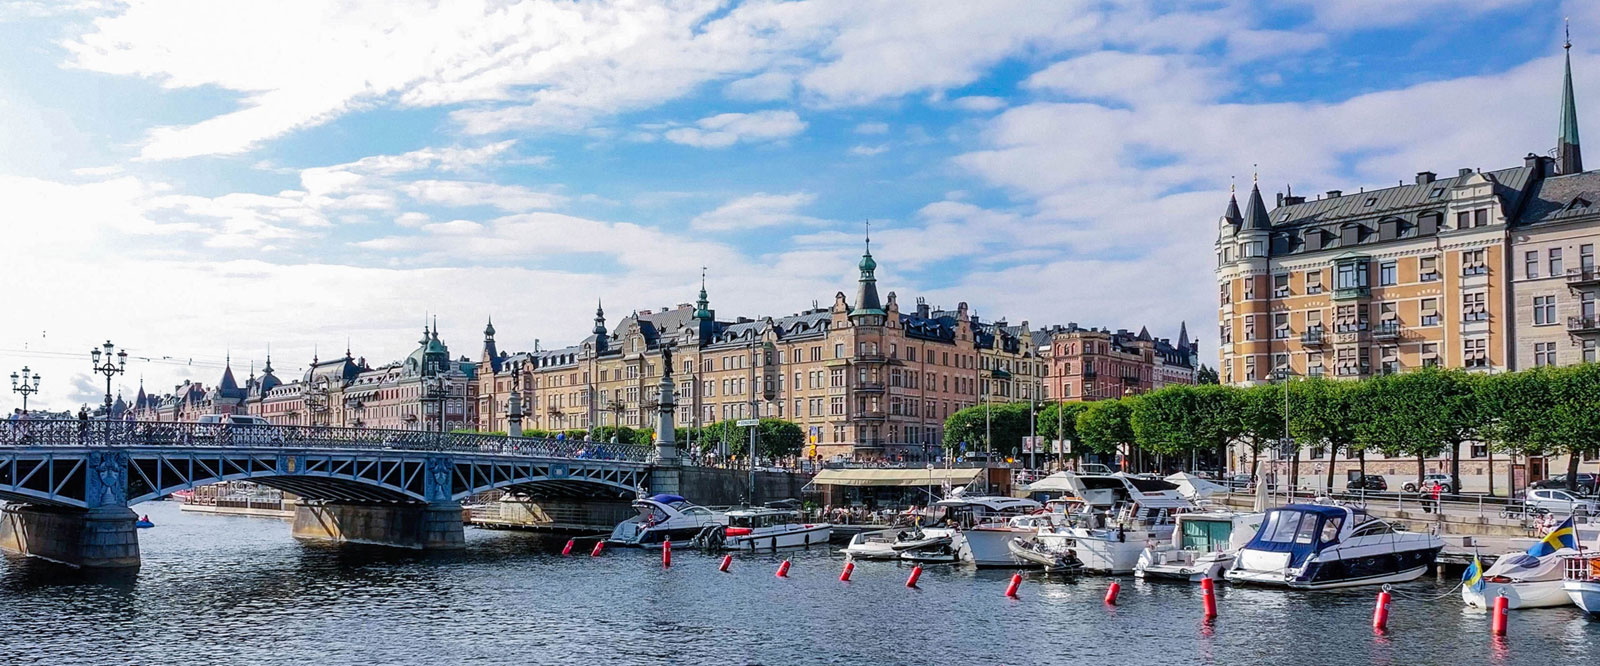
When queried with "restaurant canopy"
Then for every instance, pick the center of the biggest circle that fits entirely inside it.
(896, 477)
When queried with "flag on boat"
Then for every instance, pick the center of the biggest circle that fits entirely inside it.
(1473, 576)
(1564, 535)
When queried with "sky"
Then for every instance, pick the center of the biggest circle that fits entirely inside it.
(201, 181)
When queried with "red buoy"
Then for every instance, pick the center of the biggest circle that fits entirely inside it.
(666, 554)
(726, 561)
(1208, 597)
(783, 569)
(844, 576)
(916, 572)
(1111, 593)
(1380, 613)
(1016, 582)
(567, 550)
(598, 546)
(1498, 628)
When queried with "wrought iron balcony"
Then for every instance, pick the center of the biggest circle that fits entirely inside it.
(1386, 330)
(1315, 336)
(872, 386)
(1583, 277)
(1583, 325)
(1346, 293)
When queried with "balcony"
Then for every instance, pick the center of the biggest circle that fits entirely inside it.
(1089, 373)
(1583, 277)
(1314, 337)
(1347, 293)
(1474, 269)
(870, 415)
(874, 387)
(1352, 369)
(870, 357)
(1386, 330)
(1583, 325)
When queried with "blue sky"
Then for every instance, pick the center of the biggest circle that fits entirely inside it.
(199, 180)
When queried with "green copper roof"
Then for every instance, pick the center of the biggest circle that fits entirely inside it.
(1569, 109)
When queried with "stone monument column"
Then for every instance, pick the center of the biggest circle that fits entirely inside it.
(666, 475)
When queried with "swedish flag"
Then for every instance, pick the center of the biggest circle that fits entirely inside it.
(1564, 535)
(1473, 577)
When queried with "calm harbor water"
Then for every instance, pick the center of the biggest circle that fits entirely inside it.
(229, 590)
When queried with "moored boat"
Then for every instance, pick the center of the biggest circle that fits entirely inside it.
(663, 517)
(771, 529)
(1581, 581)
(1317, 546)
(1202, 546)
(1526, 581)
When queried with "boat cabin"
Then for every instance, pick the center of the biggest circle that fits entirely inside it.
(758, 518)
(968, 512)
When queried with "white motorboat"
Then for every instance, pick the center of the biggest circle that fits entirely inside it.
(1028, 549)
(1109, 519)
(874, 545)
(1317, 546)
(983, 527)
(663, 517)
(1526, 580)
(771, 529)
(1202, 546)
(1581, 581)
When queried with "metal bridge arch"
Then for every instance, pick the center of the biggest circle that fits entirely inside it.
(355, 476)
(548, 478)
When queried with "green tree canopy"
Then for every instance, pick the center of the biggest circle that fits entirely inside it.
(1060, 421)
(1007, 423)
(1107, 424)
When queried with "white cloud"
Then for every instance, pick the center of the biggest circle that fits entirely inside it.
(864, 150)
(757, 211)
(979, 103)
(726, 129)
(460, 194)
(764, 87)
(872, 128)
(1129, 77)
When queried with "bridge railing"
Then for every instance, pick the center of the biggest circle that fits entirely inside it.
(67, 432)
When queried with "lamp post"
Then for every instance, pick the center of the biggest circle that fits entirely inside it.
(114, 364)
(24, 387)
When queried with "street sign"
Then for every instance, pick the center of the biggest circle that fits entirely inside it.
(746, 423)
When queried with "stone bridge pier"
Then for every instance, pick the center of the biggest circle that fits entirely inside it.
(432, 525)
(101, 535)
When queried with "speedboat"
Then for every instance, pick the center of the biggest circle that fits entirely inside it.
(771, 529)
(1028, 549)
(1526, 580)
(1581, 581)
(663, 517)
(874, 545)
(143, 523)
(983, 526)
(1319, 546)
(1202, 546)
(1109, 519)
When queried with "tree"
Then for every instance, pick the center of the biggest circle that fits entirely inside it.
(1437, 409)
(1006, 423)
(1105, 426)
(777, 438)
(1167, 421)
(1260, 420)
(1060, 422)
(1574, 421)
(1514, 410)
(1217, 408)
(1206, 375)
(1319, 413)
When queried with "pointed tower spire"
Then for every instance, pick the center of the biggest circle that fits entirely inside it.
(1183, 335)
(1231, 220)
(1255, 211)
(1569, 158)
(702, 305)
(488, 331)
(867, 303)
(436, 327)
(599, 318)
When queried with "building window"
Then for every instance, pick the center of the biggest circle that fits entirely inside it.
(1428, 269)
(1586, 257)
(1249, 288)
(1544, 310)
(1430, 354)
(1249, 328)
(1314, 282)
(1314, 364)
(1349, 319)
(1250, 368)
(1386, 274)
(1430, 312)
(1227, 296)
(1280, 325)
(1389, 360)
(1544, 353)
(1464, 219)
(1351, 275)
(1530, 264)
(1280, 286)
(1589, 351)
(1473, 307)
(1472, 263)
(1475, 353)
(1480, 217)
(1280, 361)
(838, 350)
(1555, 261)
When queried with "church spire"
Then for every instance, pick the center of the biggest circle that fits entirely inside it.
(599, 318)
(702, 305)
(1569, 158)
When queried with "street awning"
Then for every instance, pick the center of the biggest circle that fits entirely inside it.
(897, 477)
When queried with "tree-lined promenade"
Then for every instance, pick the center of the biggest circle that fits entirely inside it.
(1420, 414)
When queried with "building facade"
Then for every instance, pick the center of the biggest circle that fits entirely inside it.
(1086, 364)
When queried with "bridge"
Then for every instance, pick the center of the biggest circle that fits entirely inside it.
(69, 485)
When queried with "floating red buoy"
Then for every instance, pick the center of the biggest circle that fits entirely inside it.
(1380, 613)
(1498, 628)
(1016, 582)
(666, 554)
(916, 573)
(848, 568)
(598, 546)
(783, 569)
(568, 550)
(726, 560)
(1111, 593)
(1208, 597)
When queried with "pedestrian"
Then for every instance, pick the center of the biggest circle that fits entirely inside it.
(83, 422)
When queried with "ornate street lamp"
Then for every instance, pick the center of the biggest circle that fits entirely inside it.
(24, 387)
(110, 368)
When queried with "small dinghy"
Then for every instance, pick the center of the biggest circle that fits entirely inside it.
(144, 523)
(1033, 552)
(921, 541)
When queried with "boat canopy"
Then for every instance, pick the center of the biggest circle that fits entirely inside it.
(667, 499)
(1300, 530)
(896, 477)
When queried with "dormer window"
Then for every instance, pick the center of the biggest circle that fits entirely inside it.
(1370, 201)
(1436, 193)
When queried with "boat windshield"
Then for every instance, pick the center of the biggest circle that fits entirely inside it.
(758, 520)
(1206, 536)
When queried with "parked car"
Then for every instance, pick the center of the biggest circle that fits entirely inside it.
(1586, 483)
(1367, 482)
(1561, 502)
(1238, 481)
(1428, 481)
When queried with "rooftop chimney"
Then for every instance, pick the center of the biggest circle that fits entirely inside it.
(1464, 172)
(1425, 177)
(1334, 194)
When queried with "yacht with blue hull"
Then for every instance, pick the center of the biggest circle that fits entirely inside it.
(1316, 546)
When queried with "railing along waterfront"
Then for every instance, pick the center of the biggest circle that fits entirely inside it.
(79, 433)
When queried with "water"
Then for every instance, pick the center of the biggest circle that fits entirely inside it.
(231, 590)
